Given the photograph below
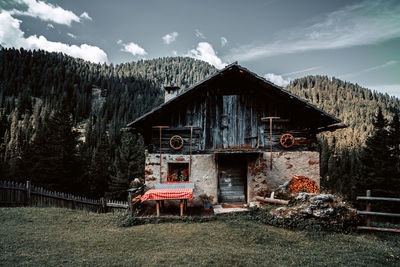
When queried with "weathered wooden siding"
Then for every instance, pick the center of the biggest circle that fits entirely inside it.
(231, 120)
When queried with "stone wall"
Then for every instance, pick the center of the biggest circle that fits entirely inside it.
(284, 166)
(204, 172)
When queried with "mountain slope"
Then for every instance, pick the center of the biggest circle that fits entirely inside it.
(103, 98)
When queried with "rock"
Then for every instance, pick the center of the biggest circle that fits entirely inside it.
(323, 213)
(327, 208)
(290, 214)
(254, 204)
(302, 197)
(321, 198)
(305, 210)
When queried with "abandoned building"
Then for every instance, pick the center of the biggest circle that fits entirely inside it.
(231, 135)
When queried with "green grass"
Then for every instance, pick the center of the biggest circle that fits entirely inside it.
(52, 237)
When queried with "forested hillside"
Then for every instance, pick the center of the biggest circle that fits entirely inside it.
(60, 119)
(343, 153)
(47, 99)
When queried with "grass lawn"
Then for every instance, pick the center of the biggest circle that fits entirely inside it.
(52, 237)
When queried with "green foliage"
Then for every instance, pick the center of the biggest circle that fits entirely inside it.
(376, 163)
(342, 152)
(52, 155)
(102, 99)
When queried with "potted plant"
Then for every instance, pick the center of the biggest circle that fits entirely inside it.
(206, 199)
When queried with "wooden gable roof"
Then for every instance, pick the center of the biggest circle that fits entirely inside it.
(322, 120)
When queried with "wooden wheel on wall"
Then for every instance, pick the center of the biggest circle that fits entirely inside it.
(176, 142)
(287, 140)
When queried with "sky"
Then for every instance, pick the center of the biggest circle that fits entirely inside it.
(281, 40)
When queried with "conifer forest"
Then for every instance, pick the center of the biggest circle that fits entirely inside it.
(61, 120)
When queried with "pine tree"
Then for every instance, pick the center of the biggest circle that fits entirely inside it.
(394, 148)
(99, 171)
(376, 160)
(54, 154)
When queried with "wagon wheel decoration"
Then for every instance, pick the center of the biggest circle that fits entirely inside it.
(287, 140)
(176, 142)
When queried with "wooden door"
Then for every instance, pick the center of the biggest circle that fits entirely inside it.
(232, 179)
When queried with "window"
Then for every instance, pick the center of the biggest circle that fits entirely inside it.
(178, 172)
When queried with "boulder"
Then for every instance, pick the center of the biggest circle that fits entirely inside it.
(326, 207)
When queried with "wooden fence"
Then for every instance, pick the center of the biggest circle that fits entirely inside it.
(25, 194)
(368, 213)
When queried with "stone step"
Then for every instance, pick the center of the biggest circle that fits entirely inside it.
(232, 177)
(232, 198)
(232, 188)
(230, 180)
(228, 185)
(232, 193)
(231, 172)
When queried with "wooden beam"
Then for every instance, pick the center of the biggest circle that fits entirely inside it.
(191, 138)
(158, 207)
(378, 229)
(273, 200)
(368, 208)
(379, 198)
(160, 127)
(374, 213)
(270, 136)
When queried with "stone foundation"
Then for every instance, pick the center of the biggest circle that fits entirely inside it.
(204, 171)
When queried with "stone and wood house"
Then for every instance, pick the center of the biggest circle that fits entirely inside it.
(231, 135)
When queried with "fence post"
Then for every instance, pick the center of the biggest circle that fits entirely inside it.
(130, 203)
(73, 203)
(28, 192)
(368, 208)
(103, 204)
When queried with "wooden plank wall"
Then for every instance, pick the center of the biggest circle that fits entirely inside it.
(227, 121)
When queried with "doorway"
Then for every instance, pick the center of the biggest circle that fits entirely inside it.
(232, 178)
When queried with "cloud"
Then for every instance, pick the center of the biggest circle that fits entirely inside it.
(47, 12)
(300, 71)
(385, 65)
(86, 16)
(49, 26)
(199, 34)
(170, 37)
(119, 41)
(276, 79)
(134, 49)
(368, 22)
(12, 36)
(71, 35)
(204, 51)
(224, 41)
